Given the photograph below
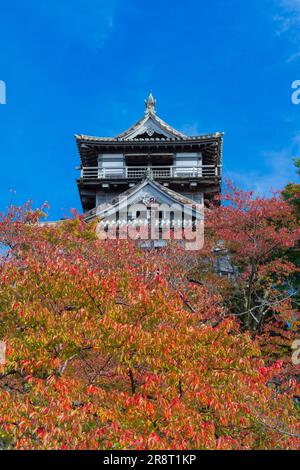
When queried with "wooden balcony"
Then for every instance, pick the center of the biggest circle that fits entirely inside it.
(156, 172)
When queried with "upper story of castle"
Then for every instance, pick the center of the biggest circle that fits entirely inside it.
(152, 148)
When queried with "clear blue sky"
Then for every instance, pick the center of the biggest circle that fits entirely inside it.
(85, 66)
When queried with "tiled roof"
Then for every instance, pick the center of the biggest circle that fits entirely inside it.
(88, 138)
(149, 128)
(99, 210)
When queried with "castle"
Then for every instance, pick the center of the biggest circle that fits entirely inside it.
(151, 162)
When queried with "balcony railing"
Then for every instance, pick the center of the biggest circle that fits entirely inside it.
(160, 172)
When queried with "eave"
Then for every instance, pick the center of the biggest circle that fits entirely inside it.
(89, 147)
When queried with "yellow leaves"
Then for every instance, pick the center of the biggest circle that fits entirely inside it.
(80, 314)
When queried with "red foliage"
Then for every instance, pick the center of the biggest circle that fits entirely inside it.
(111, 347)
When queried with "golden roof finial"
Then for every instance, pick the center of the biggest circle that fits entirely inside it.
(150, 104)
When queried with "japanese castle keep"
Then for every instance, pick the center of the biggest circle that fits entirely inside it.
(151, 161)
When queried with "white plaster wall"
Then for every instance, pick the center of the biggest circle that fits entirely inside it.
(112, 164)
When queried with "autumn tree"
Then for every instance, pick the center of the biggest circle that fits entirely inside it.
(106, 351)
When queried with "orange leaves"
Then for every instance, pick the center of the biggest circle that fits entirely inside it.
(91, 390)
(111, 346)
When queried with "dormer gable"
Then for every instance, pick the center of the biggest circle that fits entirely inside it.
(150, 126)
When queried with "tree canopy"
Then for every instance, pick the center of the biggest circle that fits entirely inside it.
(110, 346)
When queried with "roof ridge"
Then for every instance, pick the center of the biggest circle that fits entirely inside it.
(132, 131)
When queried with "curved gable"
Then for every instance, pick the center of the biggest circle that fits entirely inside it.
(150, 126)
